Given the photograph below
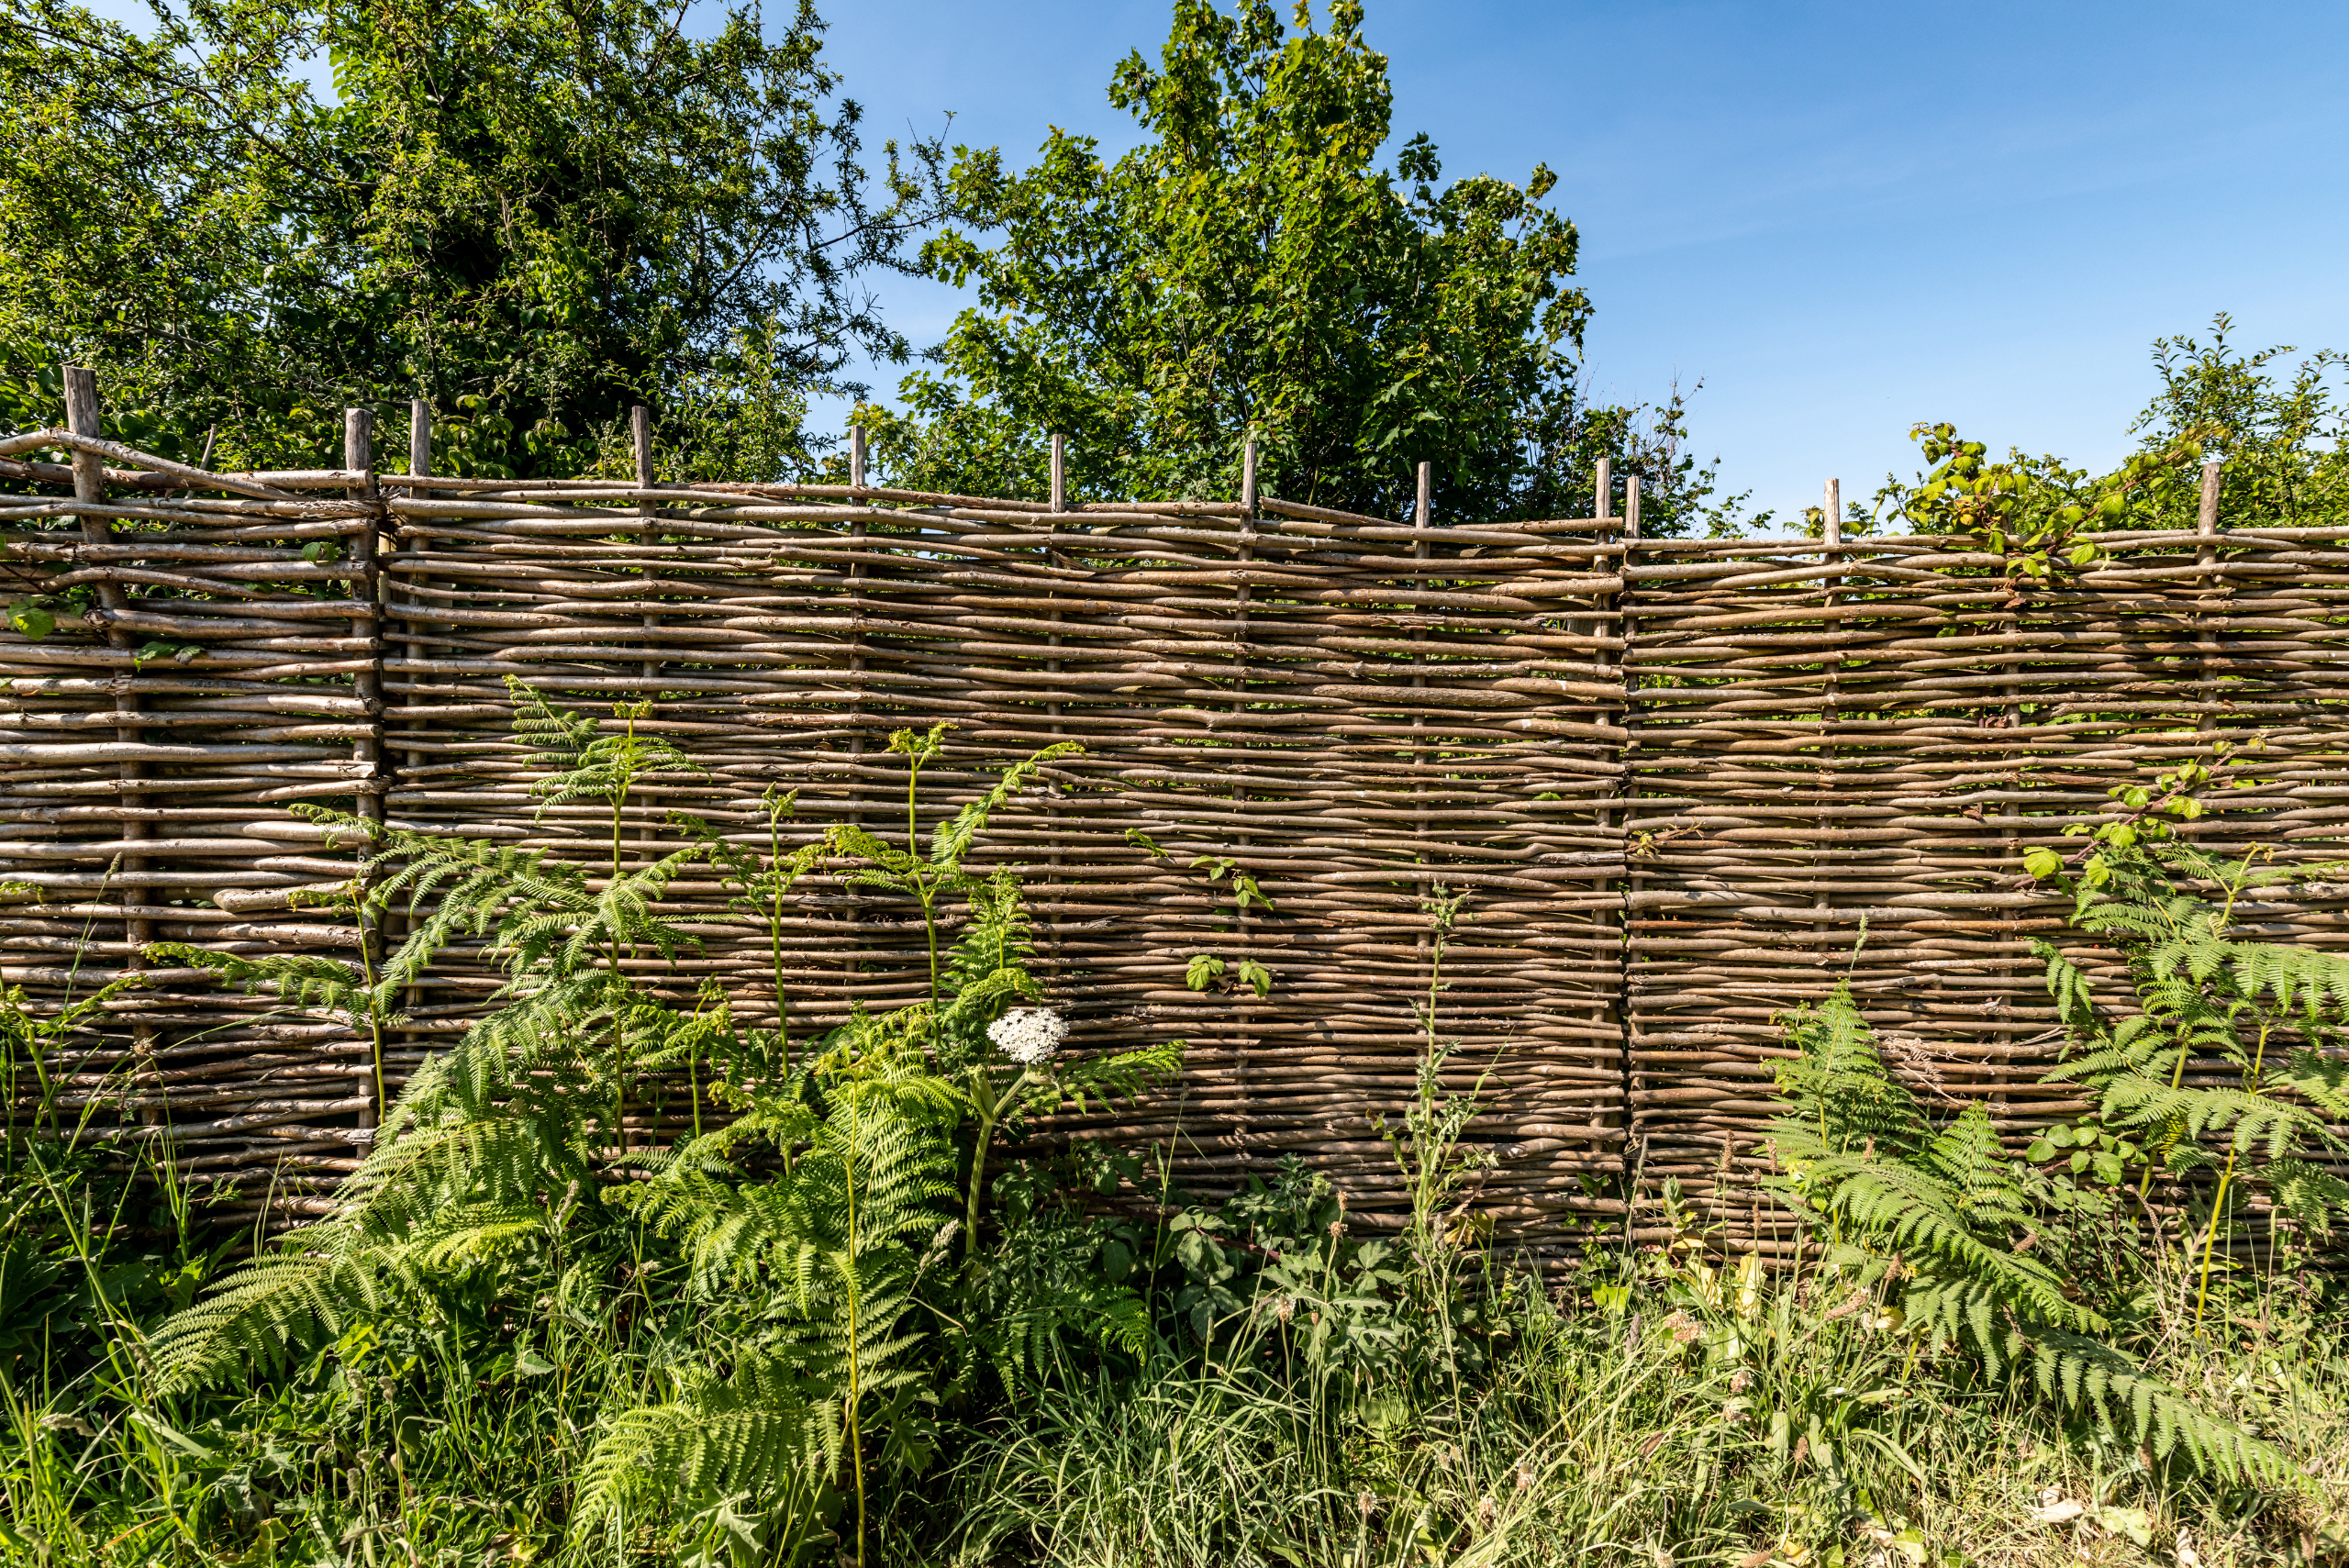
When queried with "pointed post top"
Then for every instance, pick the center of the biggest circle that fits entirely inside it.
(419, 436)
(82, 418)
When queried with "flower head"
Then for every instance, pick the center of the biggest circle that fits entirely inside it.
(1029, 1035)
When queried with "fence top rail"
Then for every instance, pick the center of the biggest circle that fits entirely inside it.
(1257, 517)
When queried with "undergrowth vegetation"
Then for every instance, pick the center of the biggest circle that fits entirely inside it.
(853, 1317)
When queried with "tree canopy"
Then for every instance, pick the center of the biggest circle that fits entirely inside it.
(2279, 434)
(1252, 268)
(531, 214)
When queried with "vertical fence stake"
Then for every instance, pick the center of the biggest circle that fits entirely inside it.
(413, 649)
(83, 418)
(358, 460)
(2206, 516)
(1831, 538)
(1422, 505)
(1242, 596)
(639, 419)
(1634, 1141)
(1611, 1004)
(855, 715)
(1052, 710)
(419, 464)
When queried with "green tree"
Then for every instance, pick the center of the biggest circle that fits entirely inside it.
(2277, 436)
(531, 214)
(1251, 268)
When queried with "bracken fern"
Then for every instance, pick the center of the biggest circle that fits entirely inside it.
(1944, 1216)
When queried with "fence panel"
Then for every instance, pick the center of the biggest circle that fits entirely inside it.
(1357, 714)
(1841, 757)
(1679, 792)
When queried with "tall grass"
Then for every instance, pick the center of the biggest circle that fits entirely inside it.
(1264, 1384)
(1694, 1422)
(1665, 1410)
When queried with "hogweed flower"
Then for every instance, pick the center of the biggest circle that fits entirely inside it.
(1029, 1036)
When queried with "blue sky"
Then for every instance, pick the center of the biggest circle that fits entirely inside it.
(1840, 218)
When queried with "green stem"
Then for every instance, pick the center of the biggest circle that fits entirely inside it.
(620, 1025)
(855, 1291)
(978, 1180)
(2218, 1204)
(777, 887)
(2210, 1238)
(928, 893)
(2177, 1076)
(374, 1006)
(989, 1105)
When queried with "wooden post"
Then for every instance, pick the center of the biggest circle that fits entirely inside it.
(1244, 598)
(2206, 519)
(1059, 895)
(1635, 1144)
(83, 418)
(419, 462)
(414, 650)
(1422, 518)
(1831, 539)
(359, 459)
(640, 432)
(856, 457)
(855, 715)
(420, 440)
(1605, 1008)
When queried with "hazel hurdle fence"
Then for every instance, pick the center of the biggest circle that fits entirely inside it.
(1674, 780)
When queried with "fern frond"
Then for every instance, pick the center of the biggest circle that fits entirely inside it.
(1912, 1210)
(772, 1428)
(2085, 1374)
(1838, 1088)
(954, 838)
(2255, 1120)
(2309, 1193)
(1118, 1075)
(266, 1310)
(302, 981)
(2075, 999)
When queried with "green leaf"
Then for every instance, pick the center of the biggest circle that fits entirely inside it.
(31, 619)
(1203, 972)
(2042, 864)
(1256, 974)
(527, 1363)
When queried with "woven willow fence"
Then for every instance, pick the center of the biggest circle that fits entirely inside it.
(1673, 779)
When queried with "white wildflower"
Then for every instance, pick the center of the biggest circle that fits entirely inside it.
(1029, 1035)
